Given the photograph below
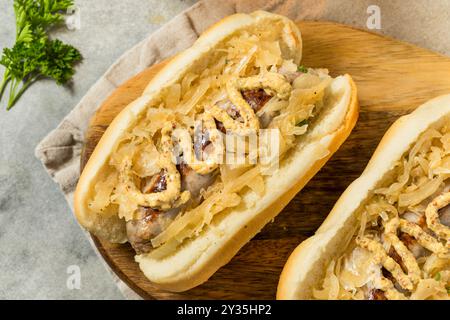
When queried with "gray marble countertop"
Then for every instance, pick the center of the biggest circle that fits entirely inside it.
(39, 238)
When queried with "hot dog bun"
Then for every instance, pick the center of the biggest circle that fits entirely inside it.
(198, 257)
(305, 269)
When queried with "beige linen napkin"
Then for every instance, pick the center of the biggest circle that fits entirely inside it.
(60, 150)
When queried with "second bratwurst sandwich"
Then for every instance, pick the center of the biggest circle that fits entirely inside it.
(160, 177)
(388, 236)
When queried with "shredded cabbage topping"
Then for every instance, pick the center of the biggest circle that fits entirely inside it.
(258, 62)
(401, 250)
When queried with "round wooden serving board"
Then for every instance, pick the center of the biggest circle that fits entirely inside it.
(392, 79)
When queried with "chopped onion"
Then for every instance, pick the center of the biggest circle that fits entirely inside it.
(200, 91)
(103, 191)
(245, 60)
(420, 194)
(173, 95)
(427, 288)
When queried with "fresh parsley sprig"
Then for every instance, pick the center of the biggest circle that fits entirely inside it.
(34, 55)
(302, 69)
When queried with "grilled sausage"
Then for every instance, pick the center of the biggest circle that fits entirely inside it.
(256, 98)
(377, 294)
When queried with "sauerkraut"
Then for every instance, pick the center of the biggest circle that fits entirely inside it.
(399, 251)
(252, 81)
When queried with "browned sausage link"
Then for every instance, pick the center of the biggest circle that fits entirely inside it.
(193, 181)
(387, 275)
(220, 126)
(232, 111)
(142, 229)
(201, 141)
(147, 224)
(184, 169)
(444, 215)
(256, 98)
(422, 222)
(407, 239)
(156, 183)
(411, 243)
(391, 278)
(377, 294)
(394, 255)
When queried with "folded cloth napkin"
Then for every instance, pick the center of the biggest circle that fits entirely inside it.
(60, 150)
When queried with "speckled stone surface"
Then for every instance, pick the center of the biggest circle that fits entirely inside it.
(39, 238)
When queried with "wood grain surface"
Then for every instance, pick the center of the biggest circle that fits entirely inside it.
(392, 78)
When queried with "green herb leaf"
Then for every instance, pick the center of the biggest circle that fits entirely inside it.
(302, 69)
(59, 60)
(40, 13)
(437, 276)
(35, 55)
(25, 34)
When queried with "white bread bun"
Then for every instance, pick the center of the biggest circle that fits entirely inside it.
(305, 268)
(111, 227)
(199, 257)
